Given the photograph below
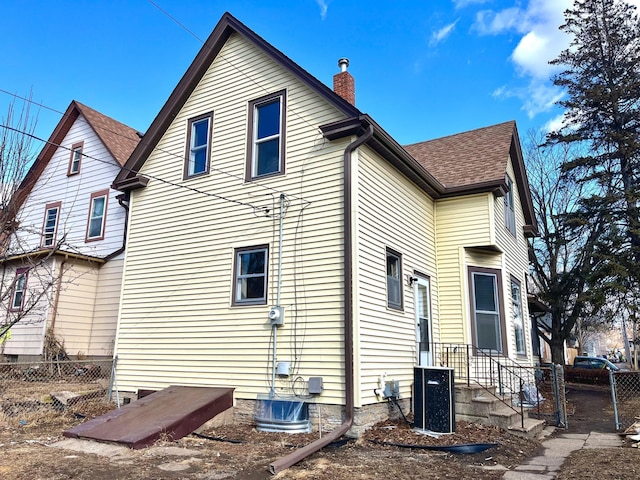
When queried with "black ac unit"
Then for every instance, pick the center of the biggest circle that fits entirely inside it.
(434, 405)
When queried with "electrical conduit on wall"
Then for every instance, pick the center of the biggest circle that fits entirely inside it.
(338, 432)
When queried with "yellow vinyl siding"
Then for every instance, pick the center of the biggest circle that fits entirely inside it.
(177, 324)
(105, 313)
(391, 212)
(515, 263)
(461, 222)
(73, 322)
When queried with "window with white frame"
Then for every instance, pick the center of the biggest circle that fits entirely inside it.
(198, 145)
(250, 275)
(19, 289)
(394, 279)
(485, 308)
(76, 158)
(509, 210)
(266, 134)
(518, 320)
(50, 227)
(97, 215)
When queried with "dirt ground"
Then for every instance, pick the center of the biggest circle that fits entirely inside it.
(235, 452)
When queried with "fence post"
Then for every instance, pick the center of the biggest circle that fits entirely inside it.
(114, 383)
(612, 384)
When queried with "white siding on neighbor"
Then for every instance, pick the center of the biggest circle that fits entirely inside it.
(461, 222)
(98, 169)
(391, 212)
(177, 324)
(27, 335)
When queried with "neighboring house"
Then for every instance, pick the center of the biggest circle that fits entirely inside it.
(383, 249)
(62, 265)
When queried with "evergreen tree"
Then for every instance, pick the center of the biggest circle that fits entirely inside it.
(601, 78)
(562, 256)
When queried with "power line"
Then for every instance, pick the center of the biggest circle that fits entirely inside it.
(231, 64)
(156, 147)
(255, 208)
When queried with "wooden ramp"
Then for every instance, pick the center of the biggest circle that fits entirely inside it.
(175, 411)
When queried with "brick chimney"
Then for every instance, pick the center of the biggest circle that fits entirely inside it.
(344, 83)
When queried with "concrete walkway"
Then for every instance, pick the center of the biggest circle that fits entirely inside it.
(556, 450)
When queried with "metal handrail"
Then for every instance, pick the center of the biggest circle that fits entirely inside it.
(488, 369)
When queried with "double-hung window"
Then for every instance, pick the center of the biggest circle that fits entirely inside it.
(50, 226)
(509, 210)
(394, 276)
(198, 145)
(518, 320)
(485, 308)
(250, 275)
(76, 158)
(19, 289)
(97, 216)
(266, 136)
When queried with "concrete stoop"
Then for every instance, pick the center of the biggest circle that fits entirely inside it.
(476, 404)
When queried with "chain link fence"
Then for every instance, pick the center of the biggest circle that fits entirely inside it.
(626, 398)
(36, 392)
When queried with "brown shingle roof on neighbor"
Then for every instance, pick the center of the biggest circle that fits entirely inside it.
(119, 139)
(468, 158)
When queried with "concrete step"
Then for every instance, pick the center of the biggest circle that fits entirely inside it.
(533, 428)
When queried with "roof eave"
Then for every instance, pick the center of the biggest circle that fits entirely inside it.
(189, 81)
(388, 148)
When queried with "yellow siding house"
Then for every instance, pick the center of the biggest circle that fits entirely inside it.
(282, 243)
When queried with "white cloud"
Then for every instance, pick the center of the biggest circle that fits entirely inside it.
(537, 97)
(466, 3)
(536, 25)
(554, 124)
(444, 32)
(323, 8)
(489, 22)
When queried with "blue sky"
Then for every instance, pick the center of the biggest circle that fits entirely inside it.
(423, 69)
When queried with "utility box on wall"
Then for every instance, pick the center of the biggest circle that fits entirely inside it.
(434, 404)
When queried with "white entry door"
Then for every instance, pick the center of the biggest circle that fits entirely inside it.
(424, 331)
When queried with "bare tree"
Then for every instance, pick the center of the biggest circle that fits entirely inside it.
(17, 153)
(562, 257)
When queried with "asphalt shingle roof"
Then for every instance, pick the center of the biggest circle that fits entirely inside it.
(119, 139)
(468, 158)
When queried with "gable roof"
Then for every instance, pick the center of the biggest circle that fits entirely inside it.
(468, 158)
(476, 161)
(227, 25)
(424, 163)
(119, 139)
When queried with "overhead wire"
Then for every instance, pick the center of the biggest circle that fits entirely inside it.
(156, 147)
(152, 177)
(220, 56)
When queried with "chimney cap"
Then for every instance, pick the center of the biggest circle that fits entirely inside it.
(343, 63)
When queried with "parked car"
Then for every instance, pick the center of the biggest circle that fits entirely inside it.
(594, 363)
